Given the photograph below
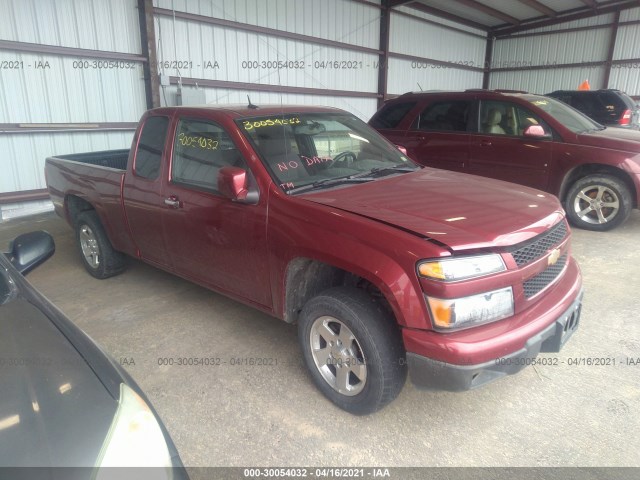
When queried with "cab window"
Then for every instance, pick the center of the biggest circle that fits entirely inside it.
(151, 147)
(201, 149)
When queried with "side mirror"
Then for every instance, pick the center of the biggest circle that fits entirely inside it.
(536, 131)
(402, 149)
(233, 183)
(29, 250)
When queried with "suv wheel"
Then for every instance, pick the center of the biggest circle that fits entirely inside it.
(598, 202)
(352, 349)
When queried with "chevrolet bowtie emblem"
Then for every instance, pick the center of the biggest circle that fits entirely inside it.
(553, 258)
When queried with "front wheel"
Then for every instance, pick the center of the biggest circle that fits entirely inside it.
(352, 350)
(98, 256)
(598, 202)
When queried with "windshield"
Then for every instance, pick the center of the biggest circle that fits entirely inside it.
(313, 149)
(5, 285)
(568, 116)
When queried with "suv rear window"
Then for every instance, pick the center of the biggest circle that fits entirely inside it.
(618, 100)
(391, 115)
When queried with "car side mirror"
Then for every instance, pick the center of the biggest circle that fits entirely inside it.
(233, 183)
(536, 131)
(29, 250)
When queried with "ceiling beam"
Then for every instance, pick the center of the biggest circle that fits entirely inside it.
(397, 3)
(541, 7)
(492, 12)
(446, 15)
(590, 3)
(577, 15)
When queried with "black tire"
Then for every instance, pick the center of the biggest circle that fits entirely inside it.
(612, 191)
(90, 235)
(377, 344)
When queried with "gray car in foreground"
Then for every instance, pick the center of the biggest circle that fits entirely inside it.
(63, 401)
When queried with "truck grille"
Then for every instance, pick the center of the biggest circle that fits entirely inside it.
(538, 283)
(540, 245)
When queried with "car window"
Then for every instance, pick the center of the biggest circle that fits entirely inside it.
(571, 118)
(445, 116)
(201, 149)
(391, 115)
(151, 147)
(611, 102)
(5, 285)
(506, 118)
(586, 103)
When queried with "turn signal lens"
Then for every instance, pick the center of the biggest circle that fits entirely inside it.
(452, 269)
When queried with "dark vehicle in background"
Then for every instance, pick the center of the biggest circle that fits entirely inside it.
(607, 107)
(522, 138)
(63, 401)
(309, 215)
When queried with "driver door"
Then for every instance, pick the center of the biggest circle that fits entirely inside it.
(211, 239)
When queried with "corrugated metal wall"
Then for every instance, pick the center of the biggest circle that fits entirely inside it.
(410, 36)
(208, 44)
(50, 88)
(215, 52)
(572, 47)
(340, 20)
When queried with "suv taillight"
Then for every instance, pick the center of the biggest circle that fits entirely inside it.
(626, 118)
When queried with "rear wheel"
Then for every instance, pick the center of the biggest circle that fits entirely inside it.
(353, 351)
(98, 256)
(598, 202)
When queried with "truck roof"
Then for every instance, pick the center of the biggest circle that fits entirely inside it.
(243, 110)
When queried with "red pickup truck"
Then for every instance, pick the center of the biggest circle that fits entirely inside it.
(309, 215)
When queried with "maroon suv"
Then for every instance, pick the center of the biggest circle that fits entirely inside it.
(523, 138)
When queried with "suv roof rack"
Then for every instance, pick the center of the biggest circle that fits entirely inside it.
(427, 91)
(497, 90)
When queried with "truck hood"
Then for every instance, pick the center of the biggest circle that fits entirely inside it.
(459, 210)
(612, 137)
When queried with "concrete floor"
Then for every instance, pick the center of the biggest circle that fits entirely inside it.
(273, 416)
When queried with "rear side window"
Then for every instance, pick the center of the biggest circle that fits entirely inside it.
(585, 103)
(151, 147)
(449, 116)
(391, 115)
(201, 149)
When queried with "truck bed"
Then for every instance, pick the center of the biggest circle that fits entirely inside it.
(96, 179)
(108, 158)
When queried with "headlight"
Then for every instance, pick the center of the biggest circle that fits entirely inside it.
(452, 269)
(135, 439)
(471, 311)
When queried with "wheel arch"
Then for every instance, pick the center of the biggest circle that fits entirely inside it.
(74, 205)
(582, 171)
(306, 277)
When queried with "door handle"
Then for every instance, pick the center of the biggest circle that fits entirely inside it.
(173, 201)
(485, 143)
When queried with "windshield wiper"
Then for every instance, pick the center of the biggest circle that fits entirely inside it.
(355, 178)
(329, 182)
(591, 130)
(396, 168)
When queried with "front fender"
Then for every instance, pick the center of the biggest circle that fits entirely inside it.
(379, 253)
